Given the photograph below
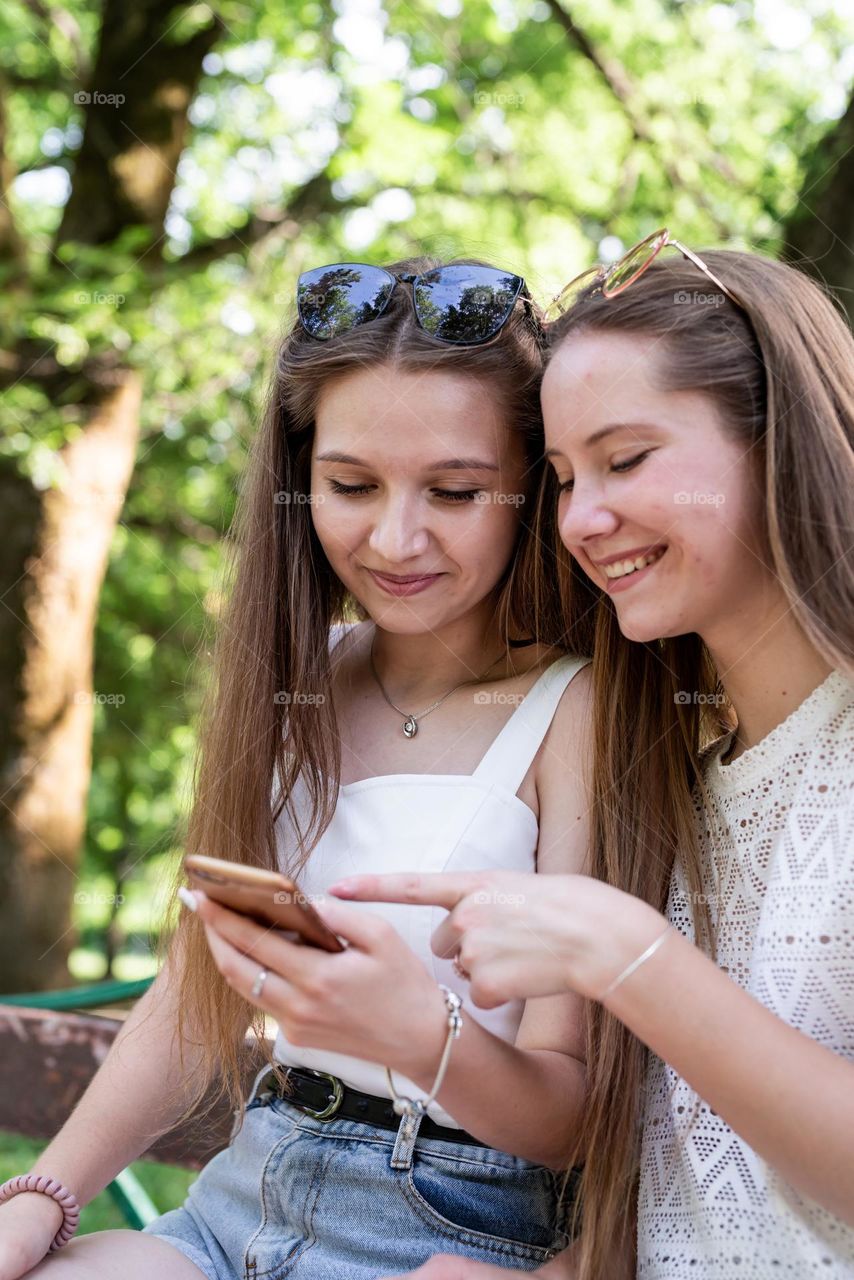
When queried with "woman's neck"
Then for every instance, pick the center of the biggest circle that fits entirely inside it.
(767, 671)
(433, 661)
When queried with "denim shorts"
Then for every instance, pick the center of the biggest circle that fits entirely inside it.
(292, 1196)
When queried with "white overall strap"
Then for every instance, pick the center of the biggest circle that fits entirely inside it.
(508, 759)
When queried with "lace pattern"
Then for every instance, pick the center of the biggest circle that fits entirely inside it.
(780, 887)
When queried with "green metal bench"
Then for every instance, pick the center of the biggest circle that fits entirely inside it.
(48, 1037)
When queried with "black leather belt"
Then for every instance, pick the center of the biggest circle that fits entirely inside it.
(323, 1097)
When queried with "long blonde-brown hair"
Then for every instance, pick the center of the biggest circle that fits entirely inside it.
(781, 374)
(255, 738)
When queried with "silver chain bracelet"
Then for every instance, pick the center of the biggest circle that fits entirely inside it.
(417, 1106)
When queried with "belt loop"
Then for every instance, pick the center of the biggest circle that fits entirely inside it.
(263, 1088)
(404, 1145)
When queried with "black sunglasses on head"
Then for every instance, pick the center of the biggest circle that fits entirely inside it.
(461, 304)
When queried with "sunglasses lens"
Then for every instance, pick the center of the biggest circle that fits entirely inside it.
(571, 294)
(634, 263)
(331, 300)
(465, 304)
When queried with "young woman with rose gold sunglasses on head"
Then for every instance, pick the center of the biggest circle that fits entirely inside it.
(700, 433)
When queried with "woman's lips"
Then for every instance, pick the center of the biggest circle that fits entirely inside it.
(408, 584)
(615, 585)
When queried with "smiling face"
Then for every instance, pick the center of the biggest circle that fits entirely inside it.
(418, 484)
(660, 504)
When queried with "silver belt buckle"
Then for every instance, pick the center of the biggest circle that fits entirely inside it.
(334, 1102)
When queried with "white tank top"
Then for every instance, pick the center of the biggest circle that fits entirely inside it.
(428, 822)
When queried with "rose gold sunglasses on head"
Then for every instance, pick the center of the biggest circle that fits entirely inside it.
(620, 274)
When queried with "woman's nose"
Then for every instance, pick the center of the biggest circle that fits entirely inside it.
(399, 533)
(584, 516)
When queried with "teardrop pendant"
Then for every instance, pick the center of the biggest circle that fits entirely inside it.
(410, 727)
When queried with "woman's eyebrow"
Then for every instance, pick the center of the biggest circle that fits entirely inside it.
(464, 464)
(635, 427)
(448, 464)
(335, 456)
(603, 432)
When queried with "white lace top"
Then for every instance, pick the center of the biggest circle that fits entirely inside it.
(710, 1208)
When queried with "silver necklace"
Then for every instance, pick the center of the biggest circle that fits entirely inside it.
(410, 719)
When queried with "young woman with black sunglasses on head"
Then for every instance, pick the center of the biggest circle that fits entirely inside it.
(392, 692)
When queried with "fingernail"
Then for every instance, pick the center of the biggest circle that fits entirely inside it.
(188, 897)
(344, 888)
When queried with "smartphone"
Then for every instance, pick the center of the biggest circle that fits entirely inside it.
(268, 897)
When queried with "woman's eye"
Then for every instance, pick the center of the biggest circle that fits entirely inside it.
(631, 462)
(456, 495)
(565, 486)
(337, 487)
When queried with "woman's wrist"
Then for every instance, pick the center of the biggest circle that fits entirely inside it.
(419, 1053)
(412, 1107)
(620, 929)
(49, 1188)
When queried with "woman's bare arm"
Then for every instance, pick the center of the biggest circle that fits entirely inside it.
(137, 1093)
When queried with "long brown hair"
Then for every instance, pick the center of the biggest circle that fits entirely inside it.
(781, 373)
(256, 738)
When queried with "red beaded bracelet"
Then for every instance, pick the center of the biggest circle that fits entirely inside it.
(50, 1187)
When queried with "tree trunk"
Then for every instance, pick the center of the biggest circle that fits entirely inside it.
(819, 230)
(53, 573)
(140, 91)
(54, 543)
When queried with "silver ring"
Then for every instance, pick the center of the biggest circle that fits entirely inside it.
(258, 984)
(459, 969)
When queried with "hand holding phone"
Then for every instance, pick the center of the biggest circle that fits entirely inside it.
(267, 897)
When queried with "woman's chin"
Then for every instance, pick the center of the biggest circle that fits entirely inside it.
(403, 618)
(644, 626)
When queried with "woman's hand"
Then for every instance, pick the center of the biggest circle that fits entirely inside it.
(375, 1000)
(522, 935)
(445, 1266)
(28, 1225)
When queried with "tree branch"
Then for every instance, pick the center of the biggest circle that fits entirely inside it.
(180, 525)
(34, 363)
(628, 96)
(312, 200)
(135, 128)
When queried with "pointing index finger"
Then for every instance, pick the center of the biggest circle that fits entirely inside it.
(434, 889)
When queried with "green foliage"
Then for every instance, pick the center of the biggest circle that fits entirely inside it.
(482, 128)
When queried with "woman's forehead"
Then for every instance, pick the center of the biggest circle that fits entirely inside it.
(422, 416)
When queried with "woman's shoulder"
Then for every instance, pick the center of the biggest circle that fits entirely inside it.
(562, 776)
(572, 722)
(535, 659)
(578, 689)
(574, 698)
(569, 737)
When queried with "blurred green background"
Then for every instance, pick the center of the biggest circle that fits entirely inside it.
(167, 170)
